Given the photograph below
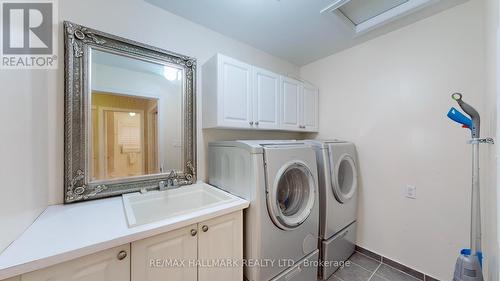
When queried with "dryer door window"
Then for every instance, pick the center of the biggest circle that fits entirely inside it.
(291, 199)
(344, 179)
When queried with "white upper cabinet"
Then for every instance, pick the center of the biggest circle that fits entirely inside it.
(299, 106)
(241, 96)
(227, 95)
(266, 99)
(236, 87)
(310, 102)
(290, 106)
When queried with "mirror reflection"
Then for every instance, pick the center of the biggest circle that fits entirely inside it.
(136, 117)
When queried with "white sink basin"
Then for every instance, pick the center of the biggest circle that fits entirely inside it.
(159, 205)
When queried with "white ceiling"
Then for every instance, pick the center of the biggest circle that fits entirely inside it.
(290, 29)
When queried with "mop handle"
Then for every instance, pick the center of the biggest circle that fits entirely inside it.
(474, 126)
(475, 230)
(469, 110)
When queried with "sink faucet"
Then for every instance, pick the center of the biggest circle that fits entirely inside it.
(161, 186)
(171, 182)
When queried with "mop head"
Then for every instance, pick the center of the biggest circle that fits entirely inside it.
(468, 267)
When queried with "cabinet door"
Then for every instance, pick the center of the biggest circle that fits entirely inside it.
(221, 239)
(167, 256)
(309, 111)
(113, 264)
(266, 99)
(235, 93)
(290, 101)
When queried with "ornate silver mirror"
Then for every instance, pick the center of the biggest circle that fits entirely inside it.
(129, 116)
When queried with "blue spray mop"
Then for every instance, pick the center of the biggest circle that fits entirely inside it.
(469, 263)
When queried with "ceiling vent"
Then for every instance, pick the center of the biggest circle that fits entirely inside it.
(365, 15)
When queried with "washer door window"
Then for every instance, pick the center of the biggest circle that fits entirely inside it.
(291, 198)
(344, 178)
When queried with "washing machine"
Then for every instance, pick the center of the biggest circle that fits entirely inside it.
(338, 193)
(279, 178)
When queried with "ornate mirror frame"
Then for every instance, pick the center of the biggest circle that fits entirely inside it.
(78, 41)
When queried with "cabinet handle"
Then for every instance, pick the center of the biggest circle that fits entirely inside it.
(194, 232)
(257, 123)
(251, 123)
(204, 228)
(121, 255)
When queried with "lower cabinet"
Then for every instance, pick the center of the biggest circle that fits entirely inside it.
(166, 256)
(109, 265)
(221, 242)
(207, 251)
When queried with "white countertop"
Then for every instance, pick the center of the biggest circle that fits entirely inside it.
(65, 232)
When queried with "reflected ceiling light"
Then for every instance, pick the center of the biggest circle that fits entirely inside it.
(170, 73)
(132, 114)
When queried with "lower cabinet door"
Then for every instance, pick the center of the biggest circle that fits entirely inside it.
(112, 264)
(220, 248)
(168, 256)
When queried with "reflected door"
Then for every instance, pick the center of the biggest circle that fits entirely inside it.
(123, 143)
(152, 144)
(125, 136)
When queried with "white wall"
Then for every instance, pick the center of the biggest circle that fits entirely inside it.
(25, 150)
(491, 193)
(390, 96)
(32, 119)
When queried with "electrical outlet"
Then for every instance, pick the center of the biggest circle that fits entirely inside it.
(411, 191)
